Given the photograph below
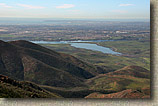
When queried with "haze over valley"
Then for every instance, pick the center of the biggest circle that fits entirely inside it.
(75, 49)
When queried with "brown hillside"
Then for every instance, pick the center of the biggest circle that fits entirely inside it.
(10, 61)
(135, 71)
(10, 88)
(129, 93)
(23, 60)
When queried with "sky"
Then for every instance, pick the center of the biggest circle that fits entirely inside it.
(76, 9)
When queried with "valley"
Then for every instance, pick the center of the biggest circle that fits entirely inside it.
(65, 75)
(74, 59)
(134, 52)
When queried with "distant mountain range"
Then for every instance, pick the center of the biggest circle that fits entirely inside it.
(53, 74)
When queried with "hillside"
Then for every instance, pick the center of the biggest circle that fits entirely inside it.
(22, 60)
(129, 77)
(111, 85)
(10, 61)
(63, 74)
(129, 93)
(61, 56)
(134, 71)
(10, 88)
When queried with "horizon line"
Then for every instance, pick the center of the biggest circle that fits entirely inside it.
(75, 18)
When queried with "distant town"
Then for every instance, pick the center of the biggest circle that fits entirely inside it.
(76, 30)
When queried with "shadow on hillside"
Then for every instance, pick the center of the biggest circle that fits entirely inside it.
(70, 100)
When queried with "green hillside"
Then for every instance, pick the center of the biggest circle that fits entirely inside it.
(129, 77)
(23, 60)
(10, 88)
(36, 71)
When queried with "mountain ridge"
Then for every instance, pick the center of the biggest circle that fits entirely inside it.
(29, 60)
(64, 74)
(10, 88)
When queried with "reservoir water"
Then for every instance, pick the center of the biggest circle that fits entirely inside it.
(81, 44)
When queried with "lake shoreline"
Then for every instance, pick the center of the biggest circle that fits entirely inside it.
(84, 45)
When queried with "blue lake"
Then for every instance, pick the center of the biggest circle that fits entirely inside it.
(79, 44)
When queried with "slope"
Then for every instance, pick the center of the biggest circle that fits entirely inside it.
(121, 79)
(129, 93)
(10, 88)
(22, 60)
(135, 71)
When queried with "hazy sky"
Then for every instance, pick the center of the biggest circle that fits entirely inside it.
(76, 9)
